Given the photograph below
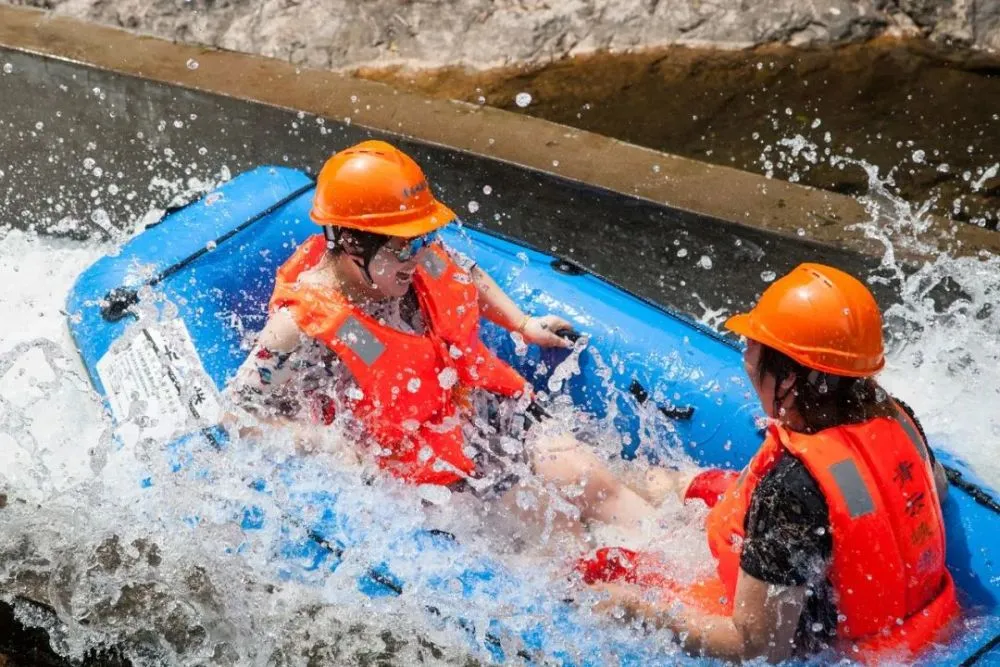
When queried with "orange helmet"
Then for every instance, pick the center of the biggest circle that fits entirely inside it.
(375, 187)
(822, 318)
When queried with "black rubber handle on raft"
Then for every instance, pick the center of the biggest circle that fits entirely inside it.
(568, 266)
(116, 302)
(671, 412)
(572, 335)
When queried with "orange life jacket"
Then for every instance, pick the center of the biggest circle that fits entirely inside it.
(891, 587)
(409, 382)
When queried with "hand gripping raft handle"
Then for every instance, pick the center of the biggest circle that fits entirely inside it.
(637, 390)
(116, 303)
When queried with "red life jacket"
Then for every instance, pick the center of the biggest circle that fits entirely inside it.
(411, 383)
(892, 589)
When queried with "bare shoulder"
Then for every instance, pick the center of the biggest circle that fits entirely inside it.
(281, 333)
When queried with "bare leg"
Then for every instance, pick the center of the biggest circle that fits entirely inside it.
(586, 481)
(657, 484)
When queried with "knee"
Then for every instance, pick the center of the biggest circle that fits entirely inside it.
(567, 462)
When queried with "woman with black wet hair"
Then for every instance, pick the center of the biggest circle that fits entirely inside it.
(832, 536)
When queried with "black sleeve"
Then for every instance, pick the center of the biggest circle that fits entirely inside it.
(787, 538)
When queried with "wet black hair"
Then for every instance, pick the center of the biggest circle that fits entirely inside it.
(358, 244)
(824, 400)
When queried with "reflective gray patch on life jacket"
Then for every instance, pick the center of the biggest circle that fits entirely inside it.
(433, 264)
(360, 340)
(852, 488)
(914, 435)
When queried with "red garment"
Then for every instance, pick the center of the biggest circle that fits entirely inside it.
(411, 384)
(710, 485)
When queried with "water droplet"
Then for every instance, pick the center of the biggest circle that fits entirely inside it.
(918, 156)
(473, 206)
(413, 385)
(682, 252)
(768, 276)
(210, 246)
(192, 64)
(705, 262)
(178, 124)
(555, 163)
(816, 123)
(800, 231)
(39, 125)
(487, 189)
(817, 627)
(522, 99)
(7, 68)
(448, 378)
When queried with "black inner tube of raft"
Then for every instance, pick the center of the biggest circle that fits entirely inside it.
(116, 302)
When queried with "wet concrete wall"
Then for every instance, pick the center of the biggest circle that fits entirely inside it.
(86, 150)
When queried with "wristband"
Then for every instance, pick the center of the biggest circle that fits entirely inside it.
(524, 323)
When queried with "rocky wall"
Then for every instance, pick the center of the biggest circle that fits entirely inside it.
(344, 34)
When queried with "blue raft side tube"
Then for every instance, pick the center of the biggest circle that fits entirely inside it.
(679, 364)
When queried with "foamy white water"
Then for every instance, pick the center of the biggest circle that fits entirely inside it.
(169, 570)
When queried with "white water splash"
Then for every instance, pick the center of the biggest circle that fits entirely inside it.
(944, 331)
(169, 570)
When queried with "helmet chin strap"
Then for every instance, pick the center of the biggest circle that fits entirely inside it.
(334, 240)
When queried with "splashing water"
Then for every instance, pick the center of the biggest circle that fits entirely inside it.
(172, 572)
(944, 347)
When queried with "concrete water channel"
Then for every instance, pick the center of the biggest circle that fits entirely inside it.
(97, 127)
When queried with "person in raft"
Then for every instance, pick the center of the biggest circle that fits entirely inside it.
(377, 319)
(832, 536)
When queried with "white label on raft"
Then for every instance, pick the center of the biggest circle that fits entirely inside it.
(157, 378)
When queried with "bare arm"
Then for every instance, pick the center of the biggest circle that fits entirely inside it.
(763, 624)
(500, 309)
(280, 335)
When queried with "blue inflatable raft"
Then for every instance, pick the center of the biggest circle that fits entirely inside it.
(201, 278)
